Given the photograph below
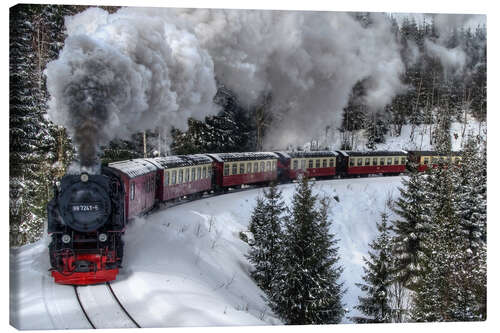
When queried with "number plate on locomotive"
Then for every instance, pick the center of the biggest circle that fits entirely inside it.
(85, 208)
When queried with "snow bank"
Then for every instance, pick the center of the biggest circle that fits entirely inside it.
(186, 265)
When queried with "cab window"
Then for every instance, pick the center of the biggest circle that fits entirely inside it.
(226, 170)
(324, 164)
(132, 190)
(331, 162)
(426, 160)
(351, 162)
(403, 160)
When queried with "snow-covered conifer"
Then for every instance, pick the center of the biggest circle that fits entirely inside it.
(308, 290)
(376, 304)
(265, 225)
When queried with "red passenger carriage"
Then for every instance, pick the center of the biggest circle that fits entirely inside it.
(372, 162)
(184, 175)
(236, 169)
(317, 164)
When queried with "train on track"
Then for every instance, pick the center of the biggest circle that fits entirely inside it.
(88, 214)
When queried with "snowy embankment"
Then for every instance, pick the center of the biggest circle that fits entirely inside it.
(186, 265)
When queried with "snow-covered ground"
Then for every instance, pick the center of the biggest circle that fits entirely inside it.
(186, 265)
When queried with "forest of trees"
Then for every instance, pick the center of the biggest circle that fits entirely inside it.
(426, 264)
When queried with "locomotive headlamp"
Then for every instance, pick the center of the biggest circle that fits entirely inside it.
(84, 177)
(103, 237)
(66, 239)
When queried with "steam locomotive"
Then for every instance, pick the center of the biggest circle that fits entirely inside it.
(88, 214)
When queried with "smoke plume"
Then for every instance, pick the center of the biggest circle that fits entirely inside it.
(141, 68)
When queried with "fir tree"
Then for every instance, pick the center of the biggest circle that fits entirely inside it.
(307, 290)
(410, 228)
(265, 226)
(376, 304)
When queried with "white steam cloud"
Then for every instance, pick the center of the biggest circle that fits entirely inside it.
(141, 68)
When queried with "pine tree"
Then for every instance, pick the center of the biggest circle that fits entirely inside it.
(378, 280)
(307, 290)
(410, 229)
(266, 225)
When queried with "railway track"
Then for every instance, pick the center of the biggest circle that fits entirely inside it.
(102, 308)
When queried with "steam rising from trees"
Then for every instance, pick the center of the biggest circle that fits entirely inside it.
(142, 68)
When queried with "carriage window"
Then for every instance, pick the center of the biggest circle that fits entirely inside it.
(249, 167)
(367, 161)
(403, 160)
(268, 165)
(303, 164)
(262, 166)
(235, 169)
(375, 161)
(242, 168)
(167, 178)
(360, 161)
(275, 163)
(256, 167)
(204, 172)
(199, 173)
(295, 164)
(174, 177)
(389, 161)
(351, 162)
(382, 161)
(426, 160)
(187, 175)
(318, 163)
(324, 164)
(396, 160)
(331, 162)
(181, 176)
(434, 160)
(226, 170)
(132, 191)
(310, 164)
